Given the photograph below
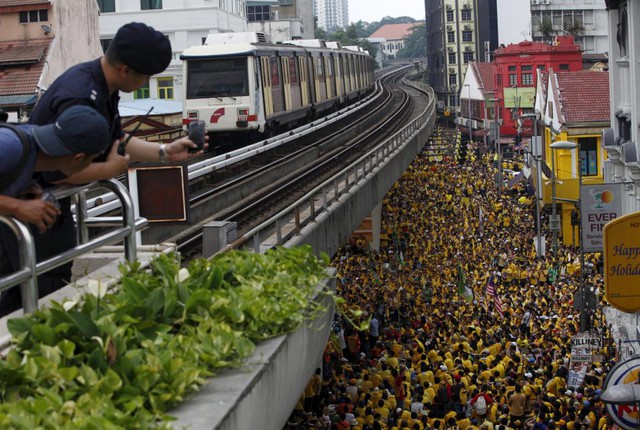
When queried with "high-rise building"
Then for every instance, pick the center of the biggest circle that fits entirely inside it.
(458, 32)
(332, 14)
(586, 20)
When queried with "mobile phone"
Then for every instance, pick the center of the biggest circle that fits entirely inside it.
(196, 131)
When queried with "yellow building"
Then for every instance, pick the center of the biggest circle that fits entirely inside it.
(574, 108)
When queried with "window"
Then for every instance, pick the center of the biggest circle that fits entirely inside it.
(449, 16)
(452, 58)
(541, 67)
(34, 16)
(142, 93)
(453, 100)
(467, 57)
(564, 67)
(513, 80)
(105, 44)
(557, 18)
(451, 37)
(258, 13)
(151, 4)
(499, 79)
(453, 79)
(588, 156)
(107, 6)
(165, 88)
(465, 15)
(467, 36)
(275, 73)
(526, 68)
(220, 77)
(527, 79)
(587, 18)
(512, 68)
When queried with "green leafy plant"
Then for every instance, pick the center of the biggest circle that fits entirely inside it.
(122, 360)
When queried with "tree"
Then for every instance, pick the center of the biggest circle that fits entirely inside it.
(546, 27)
(415, 44)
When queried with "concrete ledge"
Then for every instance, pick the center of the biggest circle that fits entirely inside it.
(262, 393)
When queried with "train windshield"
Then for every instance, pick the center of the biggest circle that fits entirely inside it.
(218, 77)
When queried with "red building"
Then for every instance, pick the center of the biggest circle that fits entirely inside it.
(514, 82)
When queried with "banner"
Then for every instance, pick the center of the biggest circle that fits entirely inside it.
(622, 263)
(600, 204)
(583, 346)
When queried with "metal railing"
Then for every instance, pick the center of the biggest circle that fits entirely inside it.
(289, 222)
(27, 275)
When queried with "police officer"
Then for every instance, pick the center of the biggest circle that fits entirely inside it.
(70, 145)
(136, 52)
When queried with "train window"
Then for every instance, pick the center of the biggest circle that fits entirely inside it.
(319, 68)
(293, 71)
(217, 78)
(275, 77)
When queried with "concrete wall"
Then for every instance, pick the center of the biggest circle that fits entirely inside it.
(77, 37)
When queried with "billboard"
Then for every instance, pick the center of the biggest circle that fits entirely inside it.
(600, 204)
(622, 262)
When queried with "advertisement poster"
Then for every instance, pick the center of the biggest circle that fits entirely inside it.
(622, 263)
(600, 204)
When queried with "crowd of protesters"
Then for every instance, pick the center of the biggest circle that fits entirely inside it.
(468, 329)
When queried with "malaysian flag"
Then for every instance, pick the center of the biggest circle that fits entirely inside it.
(491, 292)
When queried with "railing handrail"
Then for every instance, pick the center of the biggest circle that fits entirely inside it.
(27, 275)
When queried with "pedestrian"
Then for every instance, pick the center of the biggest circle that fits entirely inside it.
(78, 136)
(517, 403)
(135, 54)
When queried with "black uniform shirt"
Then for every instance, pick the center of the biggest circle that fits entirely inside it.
(82, 84)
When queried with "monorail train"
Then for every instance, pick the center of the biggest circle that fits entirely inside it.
(238, 82)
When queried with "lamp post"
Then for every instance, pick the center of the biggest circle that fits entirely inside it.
(496, 127)
(469, 111)
(584, 311)
(537, 154)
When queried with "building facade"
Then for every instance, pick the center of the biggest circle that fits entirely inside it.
(390, 38)
(332, 14)
(282, 19)
(185, 22)
(38, 41)
(458, 32)
(622, 140)
(586, 20)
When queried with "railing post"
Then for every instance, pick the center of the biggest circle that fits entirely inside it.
(27, 259)
(82, 232)
(128, 217)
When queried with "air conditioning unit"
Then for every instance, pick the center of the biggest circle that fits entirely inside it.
(535, 2)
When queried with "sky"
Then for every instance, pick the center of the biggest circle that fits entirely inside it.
(375, 10)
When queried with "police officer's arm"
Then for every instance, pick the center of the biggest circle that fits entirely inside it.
(114, 165)
(178, 150)
(35, 211)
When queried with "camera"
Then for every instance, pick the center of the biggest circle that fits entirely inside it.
(196, 131)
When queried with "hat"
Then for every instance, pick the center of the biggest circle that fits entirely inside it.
(142, 48)
(78, 129)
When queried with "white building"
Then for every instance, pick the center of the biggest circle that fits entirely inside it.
(332, 14)
(282, 19)
(586, 20)
(185, 22)
(622, 140)
(514, 21)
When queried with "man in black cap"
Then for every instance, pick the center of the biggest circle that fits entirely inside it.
(69, 145)
(137, 52)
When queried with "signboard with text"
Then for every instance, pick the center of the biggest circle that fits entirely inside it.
(600, 204)
(624, 372)
(622, 262)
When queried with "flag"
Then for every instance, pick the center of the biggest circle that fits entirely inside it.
(491, 292)
(463, 289)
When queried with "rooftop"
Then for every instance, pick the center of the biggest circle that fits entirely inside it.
(584, 96)
(21, 63)
(395, 31)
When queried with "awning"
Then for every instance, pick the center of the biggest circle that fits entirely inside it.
(17, 100)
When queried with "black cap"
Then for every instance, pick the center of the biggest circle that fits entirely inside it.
(142, 48)
(79, 129)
